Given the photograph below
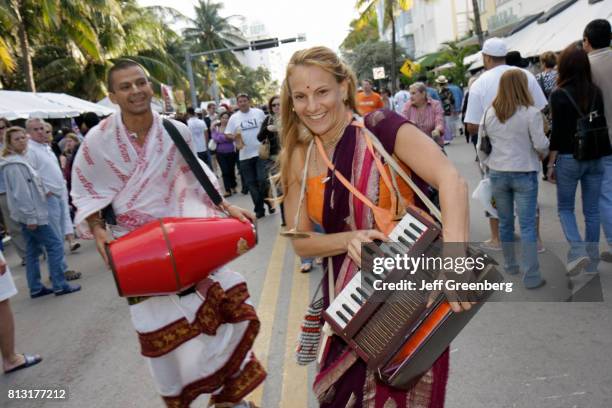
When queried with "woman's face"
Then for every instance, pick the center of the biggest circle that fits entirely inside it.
(70, 145)
(417, 97)
(275, 106)
(317, 98)
(19, 142)
(224, 119)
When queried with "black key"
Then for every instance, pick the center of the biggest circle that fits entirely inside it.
(404, 241)
(363, 294)
(414, 227)
(357, 299)
(394, 250)
(411, 235)
(345, 307)
(340, 315)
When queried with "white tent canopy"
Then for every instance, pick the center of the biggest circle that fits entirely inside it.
(78, 104)
(555, 34)
(24, 105)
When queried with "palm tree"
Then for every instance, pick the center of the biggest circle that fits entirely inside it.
(28, 21)
(210, 31)
(391, 9)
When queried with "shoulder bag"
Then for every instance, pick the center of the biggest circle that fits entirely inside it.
(485, 142)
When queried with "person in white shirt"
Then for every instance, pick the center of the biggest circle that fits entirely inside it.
(199, 132)
(482, 94)
(44, 162)
(243, 127)
(401, 98)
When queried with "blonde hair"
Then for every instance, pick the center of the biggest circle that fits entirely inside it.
(7, 150)
(291, 135)
(513, 92)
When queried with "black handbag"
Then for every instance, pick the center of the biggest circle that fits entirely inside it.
(592, 140)
(485, 142)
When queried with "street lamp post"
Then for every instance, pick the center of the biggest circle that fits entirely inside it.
(253, 45)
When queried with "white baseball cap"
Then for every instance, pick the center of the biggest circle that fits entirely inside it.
(495, 47)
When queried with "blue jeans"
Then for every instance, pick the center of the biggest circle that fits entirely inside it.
(521, 188)
(57, 221)
(43, 236)
(589, 173)
(605, 200)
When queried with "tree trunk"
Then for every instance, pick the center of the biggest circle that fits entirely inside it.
(477, 26)
(393, 50)
(24, 45)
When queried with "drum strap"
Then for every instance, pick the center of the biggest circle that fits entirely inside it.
(192, 162)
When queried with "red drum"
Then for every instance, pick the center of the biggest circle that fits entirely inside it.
(170, 255)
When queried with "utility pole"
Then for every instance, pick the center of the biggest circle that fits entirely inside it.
(477, 25)
(253, 45)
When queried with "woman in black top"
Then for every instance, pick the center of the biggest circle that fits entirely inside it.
(575, 79)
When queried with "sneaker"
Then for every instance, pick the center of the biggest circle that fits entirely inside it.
(43, 292)
(577, 265)
(72, 275)
(68, 289)
(606, 256)
(271, 210)
(74, 246)
(261, 215)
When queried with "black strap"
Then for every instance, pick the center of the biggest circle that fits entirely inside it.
(192, 162)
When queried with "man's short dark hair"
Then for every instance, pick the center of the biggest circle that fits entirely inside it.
(120, 65)
(597, 32)
(90, 119)
(243, 95)
(402, 86)
(190, 111)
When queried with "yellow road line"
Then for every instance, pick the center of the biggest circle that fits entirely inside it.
(266, 309)
(295, 377)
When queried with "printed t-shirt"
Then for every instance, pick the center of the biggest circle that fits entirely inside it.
(249, 124)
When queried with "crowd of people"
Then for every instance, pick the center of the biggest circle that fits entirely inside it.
(314, 138)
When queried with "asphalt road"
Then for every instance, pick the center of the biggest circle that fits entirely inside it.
(519, 354)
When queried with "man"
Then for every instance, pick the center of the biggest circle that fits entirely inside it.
(197, 342)
(11, 361)
(44, 162)
(596, 41)
(10, 226)
(211, 114)
(448, 104)
(243, 126)
(368, 100)
(198, 130)
(401, 98)
(482, 93)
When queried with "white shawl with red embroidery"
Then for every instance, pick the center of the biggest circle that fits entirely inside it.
(142, 182)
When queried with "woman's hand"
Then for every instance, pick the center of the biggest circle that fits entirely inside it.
(360, 237)
(550, 174)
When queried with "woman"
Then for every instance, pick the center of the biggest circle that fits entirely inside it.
(574, 83)
(268, 135)
(548, 77)
(516, 130)
(27, 202)
(70, 147)
(226, 153)
(387, 99)
(318, 98)
(426, 113)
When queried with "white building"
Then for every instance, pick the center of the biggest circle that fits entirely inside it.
(512, 11)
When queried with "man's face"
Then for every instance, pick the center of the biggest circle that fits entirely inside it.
(37, 131)
(244, 104)
(131, 91)
(367, 86)
(211, 110)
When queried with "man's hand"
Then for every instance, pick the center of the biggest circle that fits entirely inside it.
(237, 212)
(102, 238)
(360, 237)
(550, 174)
(2, 267)
(32, 227)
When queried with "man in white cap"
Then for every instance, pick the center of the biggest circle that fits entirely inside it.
(448, 105)
(482, 93)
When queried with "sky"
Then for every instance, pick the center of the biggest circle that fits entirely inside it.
(324, 22)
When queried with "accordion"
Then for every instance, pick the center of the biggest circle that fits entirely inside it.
(394, 332)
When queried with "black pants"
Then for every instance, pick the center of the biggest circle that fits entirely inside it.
(255, 173)
(205, 157)
(227, 162)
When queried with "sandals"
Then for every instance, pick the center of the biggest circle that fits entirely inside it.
(306, 267)
(29, 362)
(72, 275)
(488, 245)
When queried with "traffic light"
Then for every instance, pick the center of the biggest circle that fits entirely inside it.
(263, 44)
